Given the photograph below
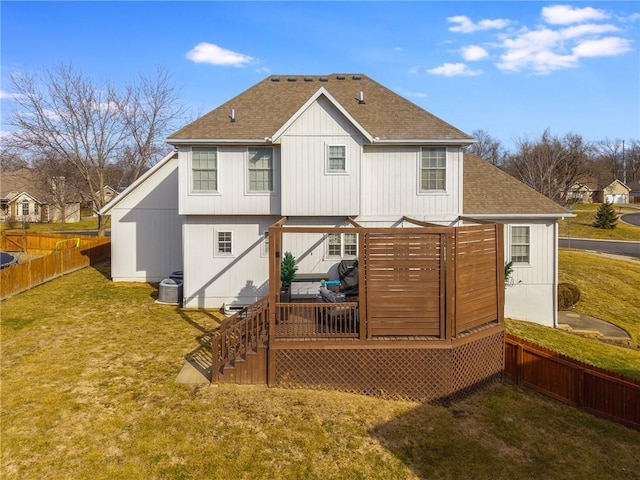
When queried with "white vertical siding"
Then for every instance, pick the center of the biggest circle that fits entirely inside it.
(390, 179)
(211, 279)
(307, 188)
(232, 197)
(146, 236)
(531, 294)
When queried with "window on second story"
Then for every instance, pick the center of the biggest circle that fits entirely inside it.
(204, 169)
(433, 169)
(520, 244)
(25, 207)
(261, 170)
(336, 159)
(342, 245)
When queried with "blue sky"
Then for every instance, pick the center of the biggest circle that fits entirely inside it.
(512, 69)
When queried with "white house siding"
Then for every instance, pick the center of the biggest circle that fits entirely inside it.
(212, 279)
(527, 294)
(232, 197)
(390, 179)
(307, 188)
(146, 241)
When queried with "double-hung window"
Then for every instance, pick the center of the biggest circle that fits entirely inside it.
(336, 159)
(520, 244)
(433, 169)
(224, 243)
(25, 207)
(260, 170)
(204, 169)
(342, 245)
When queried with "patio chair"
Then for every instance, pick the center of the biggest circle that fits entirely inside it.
(338, 319)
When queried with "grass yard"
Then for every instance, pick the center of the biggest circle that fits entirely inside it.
(609, 291)
(581, 226)
(90, 223)
(88, 392)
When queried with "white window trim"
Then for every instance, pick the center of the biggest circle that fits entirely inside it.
(342, 255)
(327, 170)
(422, 191)
(247, 181)
(511, 244)
(264, 244)
(193, 191)
(216, 241)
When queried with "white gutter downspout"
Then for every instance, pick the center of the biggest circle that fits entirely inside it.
(555, 274)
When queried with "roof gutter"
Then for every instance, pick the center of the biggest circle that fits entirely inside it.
(516, 216)
(219, 141)
(442, 142)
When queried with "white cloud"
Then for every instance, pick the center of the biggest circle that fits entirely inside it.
(454, 70)
(465, 25)
(8, 95)
(209, 53)
(603, 47)
(473, 53)
(566, 14)
(406, 93)
(263, 70)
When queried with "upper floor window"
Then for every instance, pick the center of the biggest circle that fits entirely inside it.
(336, 159)
(341, 245)
(433, 168)
(261, 169)
(204, 169)
(520, 244)
(25, 207)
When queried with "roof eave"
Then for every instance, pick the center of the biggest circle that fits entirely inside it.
(463, 142)
(512, 216)
(219, 141)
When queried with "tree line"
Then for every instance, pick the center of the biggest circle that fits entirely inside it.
(551, 164)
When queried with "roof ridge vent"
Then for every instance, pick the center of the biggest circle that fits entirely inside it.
(340, 77)
(291, 79)
(324, 79)
(308, 79)
(275, 79)
(357, 77)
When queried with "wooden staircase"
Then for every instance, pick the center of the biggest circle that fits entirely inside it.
(240, 350)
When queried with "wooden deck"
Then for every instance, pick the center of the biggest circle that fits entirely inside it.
(427, 323)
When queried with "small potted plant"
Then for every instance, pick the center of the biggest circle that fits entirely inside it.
(288, 269)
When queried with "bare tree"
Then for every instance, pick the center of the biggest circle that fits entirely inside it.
(550, 164)
(632, 156)
(63, 114)
(488, 148)
(10, 157)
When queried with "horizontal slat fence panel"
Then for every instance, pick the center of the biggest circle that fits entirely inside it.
(67, 258)
(404, 283)
(584, 386)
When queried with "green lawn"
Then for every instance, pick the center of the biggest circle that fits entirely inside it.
(89, 223)
(88, 392)
(609, 291)
(581, 226)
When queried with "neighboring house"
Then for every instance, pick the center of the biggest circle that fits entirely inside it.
(23, 198)
(321, 151)
(615, 192)
(88, 207)
(634, 192)
(582, 191)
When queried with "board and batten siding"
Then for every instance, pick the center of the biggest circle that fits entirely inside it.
(532, 285)
(232, 197)
(307, 188)
(391, 184)
(146, 230)
(212, 279)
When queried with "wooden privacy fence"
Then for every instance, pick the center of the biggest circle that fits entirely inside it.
(64, 253)
(584, 386)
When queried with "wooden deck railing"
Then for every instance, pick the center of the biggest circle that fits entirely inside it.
(245, 330)
(317, 320)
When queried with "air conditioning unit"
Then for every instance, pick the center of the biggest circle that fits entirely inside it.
(170, 291)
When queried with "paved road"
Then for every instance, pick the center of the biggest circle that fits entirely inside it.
(632, 218)
(628, 249)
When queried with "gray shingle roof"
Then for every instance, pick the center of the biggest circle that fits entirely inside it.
(489, 190)
(261, 110)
